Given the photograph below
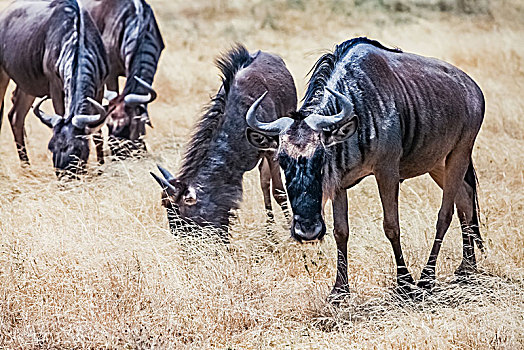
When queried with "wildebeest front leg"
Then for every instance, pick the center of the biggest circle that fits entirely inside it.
(265, 184)
(112, 83)
(455, 168)
(277, 187)
(21, 104)
(341, 233)
(388, 186)
(98, 139)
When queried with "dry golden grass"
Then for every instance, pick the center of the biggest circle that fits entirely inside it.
(93, 264)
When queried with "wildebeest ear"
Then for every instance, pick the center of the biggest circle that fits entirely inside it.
(341, 133)
(261, 141)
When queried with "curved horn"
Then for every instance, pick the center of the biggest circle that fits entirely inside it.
(110, 95)
(136, 99)
(51, 120)
(272, 128)
(318, 122)
(166, 186)
(166, 174)
(80, 121)
(100, 109)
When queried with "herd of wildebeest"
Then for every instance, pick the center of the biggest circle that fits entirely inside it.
(367, 110)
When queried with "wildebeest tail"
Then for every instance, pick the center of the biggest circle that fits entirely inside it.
(1, 115)
(472, 181)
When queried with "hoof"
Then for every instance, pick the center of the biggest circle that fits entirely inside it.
(405, 289)
(465, 270)
(427, 280)
(425, 286)
(406, 292)
(338, 295)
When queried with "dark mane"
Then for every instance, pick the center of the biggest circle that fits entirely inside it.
(86, 56)
(143, 47)
(321, 71)
(207, 128)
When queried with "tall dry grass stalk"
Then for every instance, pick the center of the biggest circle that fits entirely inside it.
(92, 264)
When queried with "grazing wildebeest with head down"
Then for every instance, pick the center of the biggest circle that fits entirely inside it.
(210, 182)
(53, 48)
(134, 44)
(373, 110)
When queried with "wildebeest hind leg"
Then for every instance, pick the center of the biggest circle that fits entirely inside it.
(388, 186)
(453, 178)
(4, 81)
(467, 210)
(21, 104)
(464, 202)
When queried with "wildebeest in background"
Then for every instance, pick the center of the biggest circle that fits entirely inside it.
(373, 110)
(133, 43)
(209, 184)
(53, 48)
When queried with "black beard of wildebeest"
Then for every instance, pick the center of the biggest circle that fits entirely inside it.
(53, 48)
(209, 184)
(370, 110)
(305, 172)
(133, 43)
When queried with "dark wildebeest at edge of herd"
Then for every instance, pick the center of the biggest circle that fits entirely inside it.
(209, 185)
(54, 48)
(368, 110)
(133, 43)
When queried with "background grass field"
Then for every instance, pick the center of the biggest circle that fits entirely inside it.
(93, 264)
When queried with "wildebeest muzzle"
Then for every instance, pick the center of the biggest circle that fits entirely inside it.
(308, 229)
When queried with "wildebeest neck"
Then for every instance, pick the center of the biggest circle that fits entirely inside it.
(324, 68)
(81, 63)
(210, 124)
(218, 177)
(141, 47)
(218, 153)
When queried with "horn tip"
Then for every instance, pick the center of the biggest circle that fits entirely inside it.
(165, 173)
(260, 99)
(157, 178)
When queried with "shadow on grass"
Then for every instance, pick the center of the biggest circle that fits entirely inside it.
(479, 290)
